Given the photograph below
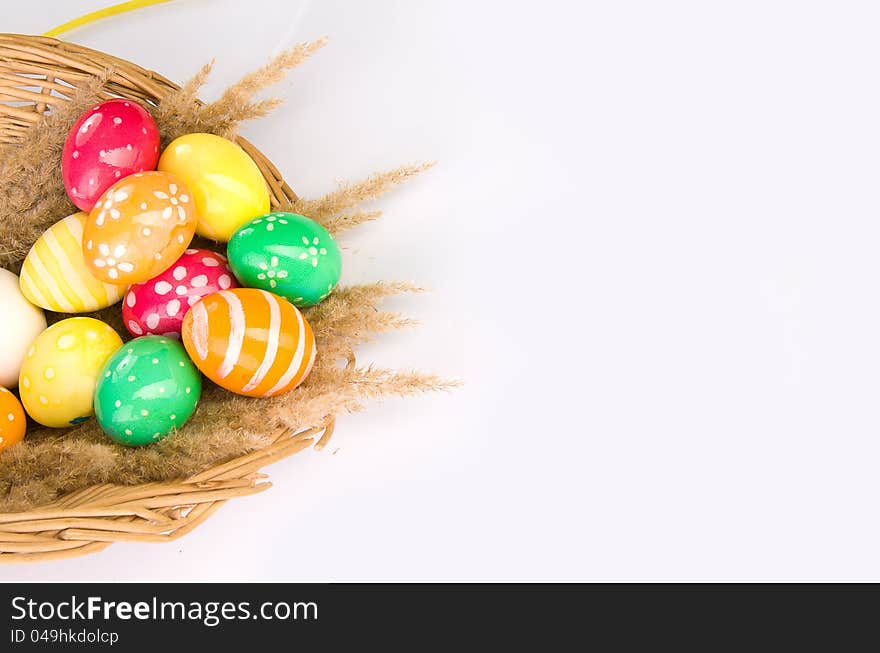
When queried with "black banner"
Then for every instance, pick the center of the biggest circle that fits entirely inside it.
(169, 617)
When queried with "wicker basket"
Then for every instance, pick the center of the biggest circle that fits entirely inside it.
(35, 74)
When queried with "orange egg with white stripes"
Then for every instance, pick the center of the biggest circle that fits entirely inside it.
(249, 341)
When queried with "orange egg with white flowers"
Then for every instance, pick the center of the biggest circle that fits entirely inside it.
(139, 228)
(249, 341)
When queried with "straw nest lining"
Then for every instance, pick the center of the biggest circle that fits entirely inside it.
(41, 76)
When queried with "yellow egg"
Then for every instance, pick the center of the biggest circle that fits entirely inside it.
(55, 277)
(60, 370)
(226, 184)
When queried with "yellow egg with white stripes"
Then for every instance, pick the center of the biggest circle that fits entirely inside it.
(55, 276)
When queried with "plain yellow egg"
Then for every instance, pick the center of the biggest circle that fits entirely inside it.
(226, 184)
(61, 368)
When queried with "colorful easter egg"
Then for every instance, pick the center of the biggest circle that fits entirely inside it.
(112, 140)
(249, 341)
(158, 306)
(227, 185)
(62, 366)
(22, 322)
(138, 228)
(145, 391)
(287, 254)
(55, 275)
(13, 422)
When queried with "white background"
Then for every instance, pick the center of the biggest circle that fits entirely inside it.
(652, 243)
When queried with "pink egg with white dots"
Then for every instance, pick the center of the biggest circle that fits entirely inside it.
(110, 141)
(157, 306)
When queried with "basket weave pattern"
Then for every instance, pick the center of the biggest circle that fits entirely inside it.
(37, 73)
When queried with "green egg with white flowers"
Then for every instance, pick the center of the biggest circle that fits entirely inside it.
(287, 254)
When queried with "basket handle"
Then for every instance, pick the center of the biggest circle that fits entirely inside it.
(106, 12)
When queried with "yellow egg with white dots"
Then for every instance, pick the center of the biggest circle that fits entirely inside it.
(61, 368)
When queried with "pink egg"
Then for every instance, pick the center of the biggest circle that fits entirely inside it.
(112, 140)
(158, 306)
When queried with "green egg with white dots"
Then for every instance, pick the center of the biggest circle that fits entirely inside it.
(146, 390)
(287, 254)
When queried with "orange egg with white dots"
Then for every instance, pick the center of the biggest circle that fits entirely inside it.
(138, 228)
(13, 422)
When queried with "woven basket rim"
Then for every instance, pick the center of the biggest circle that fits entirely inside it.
(35, 72)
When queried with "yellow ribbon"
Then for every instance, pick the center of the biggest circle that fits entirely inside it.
(114, 10)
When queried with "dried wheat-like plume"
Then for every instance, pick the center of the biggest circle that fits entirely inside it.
(332, 210)
(183, 113)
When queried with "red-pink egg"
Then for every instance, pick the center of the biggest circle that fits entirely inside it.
(112, 140)
(158, 306)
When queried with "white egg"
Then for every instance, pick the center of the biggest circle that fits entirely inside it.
(22, 323)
